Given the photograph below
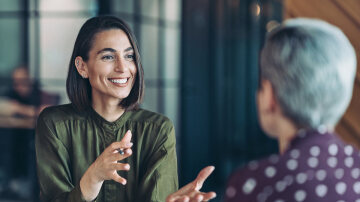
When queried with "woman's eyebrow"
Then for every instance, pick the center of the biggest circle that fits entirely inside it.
(106, 50)
(128, 49)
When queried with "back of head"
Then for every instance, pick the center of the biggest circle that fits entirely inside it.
(311, 65)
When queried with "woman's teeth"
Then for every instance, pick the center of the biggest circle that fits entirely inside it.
(121, 81)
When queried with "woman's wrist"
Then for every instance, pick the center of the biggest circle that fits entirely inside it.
(90, 185)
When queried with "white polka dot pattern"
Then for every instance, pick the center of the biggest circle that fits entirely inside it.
(321, 190)
(301, 178)
(261, 197)
(288, 179)
(340, 188)
(300, 195)
(332, 161)
(230, 192)
(313, 162)
(274, 158)
(320, 175)
(315, 150)
(355, 173)
(349, 162)
(268, 190)
(292, 164)
(280, 186)
(339, 173)
(295, 153)
(356, 187)
(348, 150)
(322, 172)
(270, 171)
(249, 186)
(333, 149)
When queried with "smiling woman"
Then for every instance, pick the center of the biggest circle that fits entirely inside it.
(111, 70)
(102, 146)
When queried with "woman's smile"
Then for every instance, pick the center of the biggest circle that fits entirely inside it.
(120, 82)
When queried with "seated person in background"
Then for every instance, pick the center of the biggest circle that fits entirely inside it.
(23, 96)
(24, 100)
(18, 111)
(307, 71)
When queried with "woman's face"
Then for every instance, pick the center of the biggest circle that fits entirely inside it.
(111, 67)
(265, 108)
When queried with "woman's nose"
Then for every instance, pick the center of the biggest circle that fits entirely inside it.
(120, 65)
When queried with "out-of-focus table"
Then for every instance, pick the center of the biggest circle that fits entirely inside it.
(17, 158)
(17, 122)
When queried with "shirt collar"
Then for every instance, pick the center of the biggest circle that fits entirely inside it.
(107, 124)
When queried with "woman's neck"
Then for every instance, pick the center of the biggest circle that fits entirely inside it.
(110, 111)
(286, 133)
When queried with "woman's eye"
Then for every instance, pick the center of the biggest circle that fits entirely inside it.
(130, 57)
(107, 57)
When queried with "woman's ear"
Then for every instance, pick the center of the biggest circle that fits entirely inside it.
(267, 96)
(81, 67)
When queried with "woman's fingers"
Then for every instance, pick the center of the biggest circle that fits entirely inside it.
(202, 176)
(120, 166)
(197, 183)
(115, 146)
(201, 196)
(117, 178)
(183, 199)
(197, 198)
(177, 199)
(127, 137)
(209, 195)
(116, 156)
(123, 144)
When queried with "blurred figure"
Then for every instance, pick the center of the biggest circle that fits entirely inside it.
(23, 97)
(24, 89)
(307, 71)
(24, 101)
(19, 108)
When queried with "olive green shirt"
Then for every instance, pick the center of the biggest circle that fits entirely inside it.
(68, 142)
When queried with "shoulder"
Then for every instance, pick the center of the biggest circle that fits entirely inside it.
(60, 113)
(149, 117)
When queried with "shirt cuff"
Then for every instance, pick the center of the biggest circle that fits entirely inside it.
(76, 195)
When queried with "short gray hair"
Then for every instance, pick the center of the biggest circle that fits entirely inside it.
(311, 66)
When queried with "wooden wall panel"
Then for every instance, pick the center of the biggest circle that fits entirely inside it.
(346, 15)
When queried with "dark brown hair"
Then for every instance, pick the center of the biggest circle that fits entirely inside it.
(79, 89)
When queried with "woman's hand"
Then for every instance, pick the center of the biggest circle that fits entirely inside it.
(105, 167)
(191, 192)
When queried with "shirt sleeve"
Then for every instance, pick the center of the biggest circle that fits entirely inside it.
(160, 177)
(53, 165)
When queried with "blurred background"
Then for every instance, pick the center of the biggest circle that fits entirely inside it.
(201, 66)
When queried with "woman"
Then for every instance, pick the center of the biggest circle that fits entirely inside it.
(102, 146)
(307, 71)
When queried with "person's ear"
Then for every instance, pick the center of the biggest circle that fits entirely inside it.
(81, 67)
(267, 96)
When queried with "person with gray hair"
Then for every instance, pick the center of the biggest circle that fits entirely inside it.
(307, 72)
